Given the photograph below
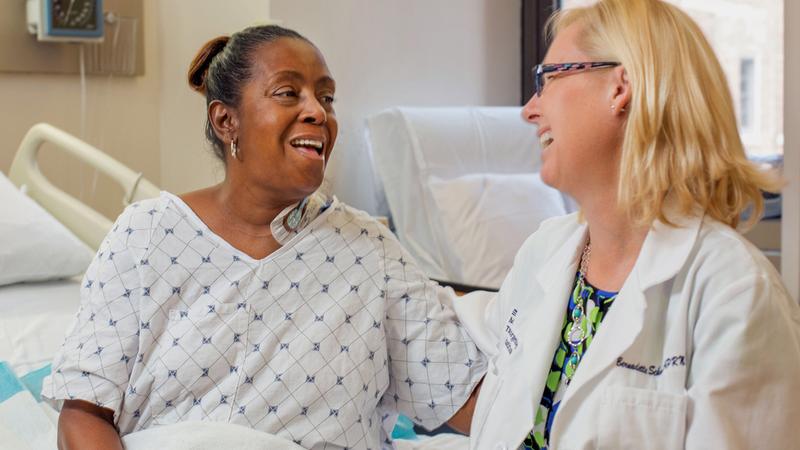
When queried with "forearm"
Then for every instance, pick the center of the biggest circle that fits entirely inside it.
(84, 426)
(462, 419)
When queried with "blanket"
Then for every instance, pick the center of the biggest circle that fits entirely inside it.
(217, 435)
(25, 422)
(205, 436)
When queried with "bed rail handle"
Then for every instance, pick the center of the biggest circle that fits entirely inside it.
(88, 224)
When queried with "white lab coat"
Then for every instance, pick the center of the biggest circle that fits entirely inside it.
(701, 348)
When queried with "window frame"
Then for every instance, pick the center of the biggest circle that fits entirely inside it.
(534, 42)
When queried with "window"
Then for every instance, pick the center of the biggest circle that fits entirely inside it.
(534, 46)
(746, 90)
(738, 30)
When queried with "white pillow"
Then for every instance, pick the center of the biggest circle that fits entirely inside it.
(34, 246)
(411, 146)
(485, 218)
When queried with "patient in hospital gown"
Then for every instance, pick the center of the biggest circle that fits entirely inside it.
(317, 341)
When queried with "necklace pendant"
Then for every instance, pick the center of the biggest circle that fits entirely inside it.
(576, 335)
(573, 360)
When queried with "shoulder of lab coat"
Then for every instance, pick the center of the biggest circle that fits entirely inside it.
(483, 313)
(743, 381)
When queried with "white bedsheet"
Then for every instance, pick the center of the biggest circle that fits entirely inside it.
(215, 435)
(33, 321)
(205, 436)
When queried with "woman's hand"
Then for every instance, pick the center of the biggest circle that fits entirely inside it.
(82, 425)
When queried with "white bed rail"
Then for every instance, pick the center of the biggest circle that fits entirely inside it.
(88, 224)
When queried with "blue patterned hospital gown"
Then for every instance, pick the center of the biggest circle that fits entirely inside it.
(314, 343)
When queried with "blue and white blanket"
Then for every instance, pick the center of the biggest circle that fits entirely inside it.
(25, 422)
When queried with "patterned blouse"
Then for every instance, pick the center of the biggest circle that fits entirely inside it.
(318, 342)
(597, 304)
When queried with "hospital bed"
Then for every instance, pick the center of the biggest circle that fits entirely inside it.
(462, 187)
(49, 238)
(34, 315)
(88, 224)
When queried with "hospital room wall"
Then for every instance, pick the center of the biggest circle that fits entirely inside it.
(152, 123)
(405, 53)
(121, 118)
(186, 160)
(462, 52)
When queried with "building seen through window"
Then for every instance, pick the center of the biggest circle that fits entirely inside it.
(747, 36)
(746, 97)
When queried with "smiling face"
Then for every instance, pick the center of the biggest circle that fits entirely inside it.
(580, 133)
(284, 125)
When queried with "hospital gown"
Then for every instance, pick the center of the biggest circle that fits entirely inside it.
(317, 342)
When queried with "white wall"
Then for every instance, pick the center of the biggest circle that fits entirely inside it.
(405, 53)
(184, 26)
(121, 118)
(153, 123)
(382, 53)
(790, 236)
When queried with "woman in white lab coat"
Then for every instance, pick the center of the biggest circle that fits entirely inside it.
(646, 321)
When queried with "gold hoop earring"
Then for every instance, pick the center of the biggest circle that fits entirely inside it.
(234, 149)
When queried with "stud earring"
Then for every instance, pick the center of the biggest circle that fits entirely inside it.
(613, 107)
(234, 149)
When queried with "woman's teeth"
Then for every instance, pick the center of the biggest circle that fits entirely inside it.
(309, 143)
(545, 139)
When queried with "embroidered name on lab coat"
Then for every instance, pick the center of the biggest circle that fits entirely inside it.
(511, 338)
(673, 361)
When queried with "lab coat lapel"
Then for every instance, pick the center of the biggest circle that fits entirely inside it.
(663, 253)
(542, 324)
(541, 311)
(619, 329)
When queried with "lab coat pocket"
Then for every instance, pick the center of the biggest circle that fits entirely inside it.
(197, 359)
(636, 418)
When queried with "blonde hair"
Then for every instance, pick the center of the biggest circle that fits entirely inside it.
(681, 146)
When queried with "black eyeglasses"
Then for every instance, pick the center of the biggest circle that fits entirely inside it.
(540, 70)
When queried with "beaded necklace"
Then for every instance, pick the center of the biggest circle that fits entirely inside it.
(577, 333)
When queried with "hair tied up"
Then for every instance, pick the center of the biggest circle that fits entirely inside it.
(198, 69)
